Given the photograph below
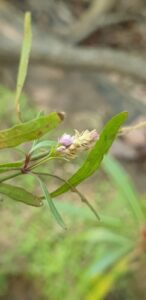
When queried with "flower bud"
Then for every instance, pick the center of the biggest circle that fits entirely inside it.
(72, 146)
(66, 140)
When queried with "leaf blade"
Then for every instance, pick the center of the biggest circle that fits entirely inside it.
(96, 154)
(43, 144)
(20, 194)
(28, 131)
(24, 59)
(124, 185)
(52, 206)
(103, 283)
(109, 259)
(103, 235)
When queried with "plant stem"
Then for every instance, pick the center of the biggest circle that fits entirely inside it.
(46, 159)
(41, 161)
(83, 199)
(39, 156)
(127, 129)
(10, 176)
(18, 164)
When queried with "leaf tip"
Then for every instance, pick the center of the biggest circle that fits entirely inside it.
(61, 115)
(126, 113)
(27, 20)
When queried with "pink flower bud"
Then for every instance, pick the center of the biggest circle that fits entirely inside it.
(94, 135)
(66, 140)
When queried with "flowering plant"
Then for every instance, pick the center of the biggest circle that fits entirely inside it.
(67, 147)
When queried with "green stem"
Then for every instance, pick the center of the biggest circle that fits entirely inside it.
(46, 159)
(82, 197)
(41, 161)
(18, 164)
(39, 156)
(10, 176)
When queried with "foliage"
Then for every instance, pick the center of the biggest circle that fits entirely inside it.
(56, 256)
(90, 256)
(66, 148)
(7, 110)
(124, 242)
(22, 72)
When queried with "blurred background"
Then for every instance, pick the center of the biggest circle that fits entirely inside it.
(88, 59)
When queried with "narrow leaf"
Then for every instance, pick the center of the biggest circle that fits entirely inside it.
(95, 156)
(10, 166)
(125, 186)
(24, 59)
(20, 194)
(44, 144)
(39, 114)
(28, 131)
(103, 283)
(109, 259)
(52, 206)
(103, 235)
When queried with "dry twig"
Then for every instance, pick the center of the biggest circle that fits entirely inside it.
(89, 20)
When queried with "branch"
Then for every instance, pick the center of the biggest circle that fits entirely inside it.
(62, 55)
(77, 33)
(125, 130)
(88, 21)
(49, 50)
(110, 94)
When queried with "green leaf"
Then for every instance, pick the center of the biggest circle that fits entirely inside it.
(124, 185)
(39, 114)
(20, 194)
(24, 59)
(28, 131)
(10, 166)
(52, 207)
(95, 157)
(103, 283)
(109, 259)
(103, 235)
(44, 144)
